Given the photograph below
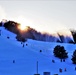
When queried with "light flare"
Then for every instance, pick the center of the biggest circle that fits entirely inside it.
(22, 27)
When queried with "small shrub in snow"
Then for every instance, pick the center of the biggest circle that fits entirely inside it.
(40, 50)
(53, 61)
(13, 61)
(26, 44)
(74, 57)
(60, 70)
(23, 45)
(63, 60)
(65, 69)
(21, 42)
(60, 52)
(8, 37)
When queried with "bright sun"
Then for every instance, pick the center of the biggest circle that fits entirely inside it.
(23, 23)
(22, 27)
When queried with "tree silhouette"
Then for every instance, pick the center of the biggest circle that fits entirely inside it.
(74, 57)
(60, 52)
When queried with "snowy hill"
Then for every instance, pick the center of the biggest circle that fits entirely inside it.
(27, 56)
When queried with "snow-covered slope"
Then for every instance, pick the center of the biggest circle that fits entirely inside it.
(27, 56)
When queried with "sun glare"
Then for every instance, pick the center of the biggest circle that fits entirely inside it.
(23, 23)
(40, 26)
(22, 27)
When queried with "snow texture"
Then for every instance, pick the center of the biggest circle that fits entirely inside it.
(26, 57)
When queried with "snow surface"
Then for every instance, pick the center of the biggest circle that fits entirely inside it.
(26, 57)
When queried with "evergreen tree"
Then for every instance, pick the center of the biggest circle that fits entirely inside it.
(60, 52)
(74, 57)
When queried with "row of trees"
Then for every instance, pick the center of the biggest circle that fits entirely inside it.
(60, 52)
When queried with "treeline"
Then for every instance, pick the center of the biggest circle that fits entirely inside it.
(31, 33)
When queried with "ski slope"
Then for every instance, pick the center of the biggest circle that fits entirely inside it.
(27, 56)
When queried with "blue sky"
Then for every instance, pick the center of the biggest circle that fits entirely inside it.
(43, 15)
